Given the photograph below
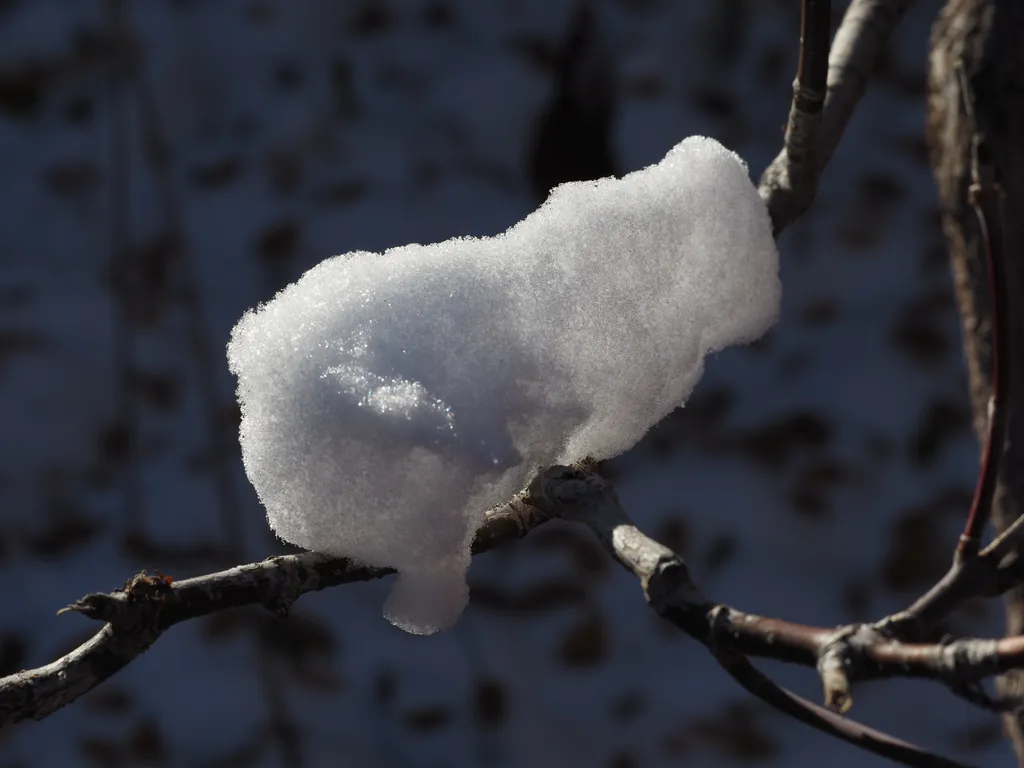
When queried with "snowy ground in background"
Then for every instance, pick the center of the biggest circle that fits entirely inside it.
(819, 475)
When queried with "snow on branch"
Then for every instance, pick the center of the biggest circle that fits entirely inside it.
(389, 399)
(495, 440)
(147, 606)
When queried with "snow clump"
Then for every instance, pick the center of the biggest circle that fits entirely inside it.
(388, 400)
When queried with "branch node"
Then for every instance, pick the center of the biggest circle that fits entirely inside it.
(670, 585)
(564, 488)
(718, 630)
(975, 657)
(838, 663)
(125, 607)
(285, 591)
(832, 665)
(98, 605)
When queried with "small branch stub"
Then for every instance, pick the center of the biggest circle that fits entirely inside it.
(834, 680)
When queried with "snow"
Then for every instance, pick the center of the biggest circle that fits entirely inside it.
(388, 400)
(213, 687)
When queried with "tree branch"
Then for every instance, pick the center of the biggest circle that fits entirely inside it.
(841, 656)
(137, 615)
(974, 573)
(147, 606)
(818, 120)
(985, 195)
(826, 92)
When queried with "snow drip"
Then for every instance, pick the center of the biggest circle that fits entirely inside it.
(388, 400)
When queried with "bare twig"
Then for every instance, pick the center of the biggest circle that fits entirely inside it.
(972, 575)
(732, 635)
(137, 615)
(796, 169)
(821, 107)
(789, 184)
(964, 580)
(811, 714)
(985, 195)
(147, 606)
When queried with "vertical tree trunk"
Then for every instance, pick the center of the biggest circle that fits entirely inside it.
(988, 37)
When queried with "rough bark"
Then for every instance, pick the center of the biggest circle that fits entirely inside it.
(985, 35)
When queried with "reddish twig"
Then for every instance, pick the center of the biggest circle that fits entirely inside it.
(788, 187)
(984, 195)
(789, 184)
(972, 575)
(812, 67)
(861, 652)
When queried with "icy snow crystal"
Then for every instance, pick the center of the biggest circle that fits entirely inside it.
(389, 399)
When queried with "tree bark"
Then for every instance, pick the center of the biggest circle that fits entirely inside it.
(986, 36)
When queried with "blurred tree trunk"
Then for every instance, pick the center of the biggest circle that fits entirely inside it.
(988, 37)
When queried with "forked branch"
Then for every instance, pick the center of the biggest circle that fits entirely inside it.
(827, 89)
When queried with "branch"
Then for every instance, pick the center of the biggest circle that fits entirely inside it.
(985, 194)
(817, 120)
(841, 656)
(147, 606)
(973, 573)
(796, 169)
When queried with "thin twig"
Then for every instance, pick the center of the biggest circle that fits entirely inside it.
(973, 573)
(137, 615)
(797, 167)
(821, 108)
(790, 182)
(984, 195)
(732, 635)
(965, 579)
(821, 719)
(1001, 546)
(148, 606)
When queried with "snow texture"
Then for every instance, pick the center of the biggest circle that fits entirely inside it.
(388, 400)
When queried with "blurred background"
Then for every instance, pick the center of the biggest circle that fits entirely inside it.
(149, 198)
